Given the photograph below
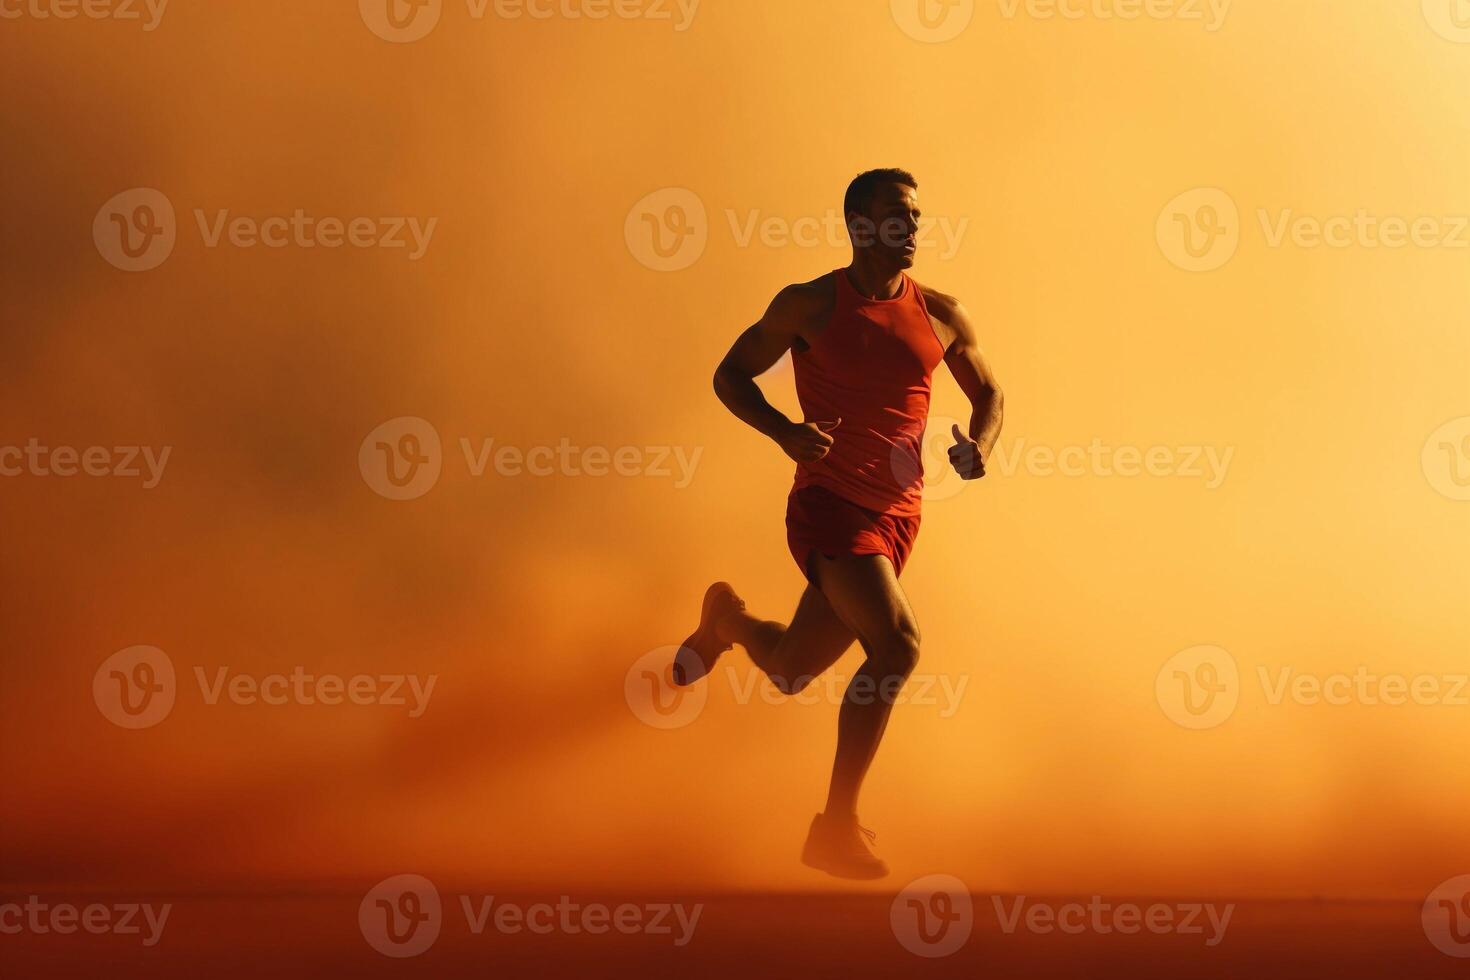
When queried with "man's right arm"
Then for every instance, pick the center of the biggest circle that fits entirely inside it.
(755, 352)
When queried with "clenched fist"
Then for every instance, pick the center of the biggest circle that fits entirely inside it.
(807, 442)
(965, 456)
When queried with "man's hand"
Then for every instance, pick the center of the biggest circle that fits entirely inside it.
(965, 456)
(971, 369)
(807, 442)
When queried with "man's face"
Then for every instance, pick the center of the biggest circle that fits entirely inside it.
(889, 230)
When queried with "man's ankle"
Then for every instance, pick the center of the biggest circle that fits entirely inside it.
(734, 627)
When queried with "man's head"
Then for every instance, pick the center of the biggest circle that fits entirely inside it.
(882, 211)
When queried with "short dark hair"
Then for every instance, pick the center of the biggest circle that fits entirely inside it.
(860, 192)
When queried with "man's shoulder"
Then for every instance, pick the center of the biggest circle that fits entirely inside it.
(812, 293)
(942, 306)
(809, 300)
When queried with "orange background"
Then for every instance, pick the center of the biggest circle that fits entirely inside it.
(530, 320)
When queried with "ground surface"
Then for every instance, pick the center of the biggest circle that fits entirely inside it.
(806, 936)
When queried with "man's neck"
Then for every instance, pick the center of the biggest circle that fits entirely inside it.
(873, 282)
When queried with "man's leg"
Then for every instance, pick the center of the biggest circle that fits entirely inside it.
(792, 656)
(858, 597)
(855, 598)
(864, 593)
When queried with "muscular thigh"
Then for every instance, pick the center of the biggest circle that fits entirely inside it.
(863, 592)
(815, 638)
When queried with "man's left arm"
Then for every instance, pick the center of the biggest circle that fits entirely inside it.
(971, 369)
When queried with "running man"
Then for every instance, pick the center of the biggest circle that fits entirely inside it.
(864, 341)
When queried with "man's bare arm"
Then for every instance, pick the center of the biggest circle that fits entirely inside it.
(755, 352)
(972, 371)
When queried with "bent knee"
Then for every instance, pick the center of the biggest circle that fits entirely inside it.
(793, 686)
(897, 653)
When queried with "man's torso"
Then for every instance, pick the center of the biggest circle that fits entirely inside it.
(870, 363)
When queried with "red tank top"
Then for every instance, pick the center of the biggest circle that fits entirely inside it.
(871, 368)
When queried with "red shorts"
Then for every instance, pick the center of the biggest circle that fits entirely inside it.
(820, 522)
